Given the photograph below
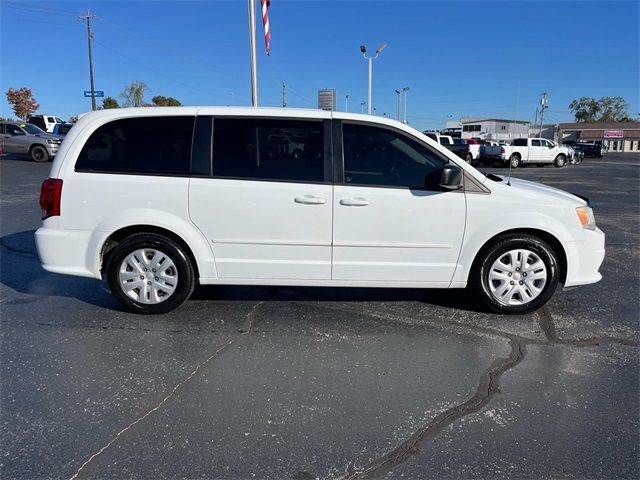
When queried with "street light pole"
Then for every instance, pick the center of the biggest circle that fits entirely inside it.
(405, 90)
(370, 59)
(398, 94)
(362, 104)
(346, 103)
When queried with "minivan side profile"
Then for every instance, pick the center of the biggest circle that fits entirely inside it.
(157, 200)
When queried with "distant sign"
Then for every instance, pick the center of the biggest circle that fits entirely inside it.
(96, 93)
(327, 99)
(613, 133)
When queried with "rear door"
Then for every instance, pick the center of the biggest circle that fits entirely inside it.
(391, 220)
(266, 206)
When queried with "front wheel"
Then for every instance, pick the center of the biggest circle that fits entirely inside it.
(39, 154)
(515, 161)
(516, 274)
(150, 274)
(560, 161)
(469, 159)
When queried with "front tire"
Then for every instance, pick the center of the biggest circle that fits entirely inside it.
(517, 274)
(515, 161)
(560, 161)
(150, 274)
(39, 154)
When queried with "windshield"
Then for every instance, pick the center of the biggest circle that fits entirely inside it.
(32, 129)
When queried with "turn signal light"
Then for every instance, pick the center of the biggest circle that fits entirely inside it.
(50, 195)
(587, 220)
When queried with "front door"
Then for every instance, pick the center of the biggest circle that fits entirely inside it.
(391, 220)
(267, 207)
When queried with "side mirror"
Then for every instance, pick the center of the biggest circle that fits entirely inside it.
(451, 177)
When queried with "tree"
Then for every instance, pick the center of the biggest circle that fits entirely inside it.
(133, 94)
(607, 109)
(22, 101)
(162, 101)
(109, 102)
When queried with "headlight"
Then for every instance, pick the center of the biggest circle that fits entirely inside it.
(587, 220)
(51, 141)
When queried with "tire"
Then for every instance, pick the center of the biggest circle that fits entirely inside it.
(469, 159)
(514, 160)
(492, 277)
(560, 161)
(39, 153)
(126, 265)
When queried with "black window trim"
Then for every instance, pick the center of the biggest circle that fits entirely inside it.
(339, 161)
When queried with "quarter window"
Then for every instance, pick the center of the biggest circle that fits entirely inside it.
(148, 145)
(268, 149)
(376, 156)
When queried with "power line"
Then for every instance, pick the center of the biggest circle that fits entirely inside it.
(25, 7)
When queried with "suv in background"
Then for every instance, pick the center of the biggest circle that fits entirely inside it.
(45, 122)
(590, 149)
(28, 140)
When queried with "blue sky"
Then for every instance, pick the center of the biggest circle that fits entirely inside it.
(459, 58)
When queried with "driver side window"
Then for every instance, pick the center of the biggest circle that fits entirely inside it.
(375, 156)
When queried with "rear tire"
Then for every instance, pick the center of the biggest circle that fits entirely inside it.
(39, 153)
(150, 274)
(516, 274)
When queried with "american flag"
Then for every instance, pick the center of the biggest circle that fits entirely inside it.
(265, 21)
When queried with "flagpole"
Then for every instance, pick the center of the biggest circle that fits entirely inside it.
(252, 48)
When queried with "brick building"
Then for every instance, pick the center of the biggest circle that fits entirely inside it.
(615, 136)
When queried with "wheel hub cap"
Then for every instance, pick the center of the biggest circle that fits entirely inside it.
(148, 276)
(517, 277)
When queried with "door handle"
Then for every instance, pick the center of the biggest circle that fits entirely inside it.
(355, 202)
(310, 200)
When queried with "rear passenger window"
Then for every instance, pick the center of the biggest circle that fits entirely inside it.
(268, 149)
(150, 145)
(376, 156)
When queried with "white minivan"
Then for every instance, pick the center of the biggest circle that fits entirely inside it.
(157, 199)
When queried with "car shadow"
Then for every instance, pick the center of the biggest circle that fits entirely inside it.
(20, 270)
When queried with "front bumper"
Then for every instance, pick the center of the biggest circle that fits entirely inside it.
(584, 259)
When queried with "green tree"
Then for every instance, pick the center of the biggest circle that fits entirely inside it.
(22, 101)
(607, 109)
(109, 102)
(162, 101)
(133, 94)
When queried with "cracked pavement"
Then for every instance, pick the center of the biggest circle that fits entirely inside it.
(302, 383)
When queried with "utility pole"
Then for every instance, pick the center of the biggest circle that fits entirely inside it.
(284, 95)
(88, 16)
(398, 94)
(346, 103)
(543, 106)
(252, 49)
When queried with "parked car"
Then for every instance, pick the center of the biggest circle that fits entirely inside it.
(590, 149)
(61, 128)
(456, 145)
(535, 150)
(161, 199)
(39, 145)
(45, 122)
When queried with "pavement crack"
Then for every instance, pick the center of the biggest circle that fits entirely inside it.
(249, 323)
(548, 326)
(487, 388)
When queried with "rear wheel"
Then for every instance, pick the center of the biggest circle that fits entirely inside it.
(39, 154)
(518, 273)
(560, 161)
(150, 274)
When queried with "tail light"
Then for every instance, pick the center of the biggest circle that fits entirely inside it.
(50, 195)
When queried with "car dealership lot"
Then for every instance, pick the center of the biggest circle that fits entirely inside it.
(279, 382)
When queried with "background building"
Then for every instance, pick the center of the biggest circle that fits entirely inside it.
(494, 128)
(615, 136)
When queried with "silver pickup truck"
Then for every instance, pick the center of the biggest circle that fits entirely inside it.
(27, 139)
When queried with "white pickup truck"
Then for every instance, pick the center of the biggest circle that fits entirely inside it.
(535, 150)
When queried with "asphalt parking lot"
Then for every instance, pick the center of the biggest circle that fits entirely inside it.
(306, 383)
